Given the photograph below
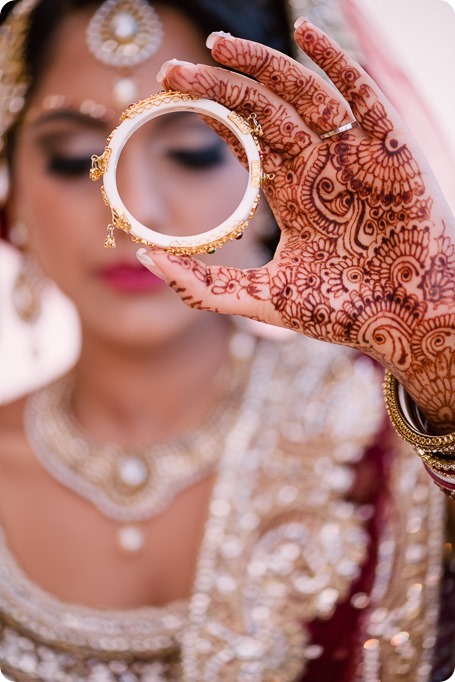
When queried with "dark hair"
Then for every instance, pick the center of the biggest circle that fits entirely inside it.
(264, 21)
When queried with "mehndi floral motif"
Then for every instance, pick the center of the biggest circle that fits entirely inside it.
(366, 257)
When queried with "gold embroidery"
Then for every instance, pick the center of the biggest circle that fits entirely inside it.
(281, 547)
(403, 615)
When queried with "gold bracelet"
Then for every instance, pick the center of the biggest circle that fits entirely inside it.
(441, 465)
(402, 421)
(445, 482)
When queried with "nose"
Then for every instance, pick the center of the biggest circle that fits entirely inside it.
(138, 188)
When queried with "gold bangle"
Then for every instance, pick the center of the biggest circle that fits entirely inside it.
(446, 483)
(442, 465)
(424, 443)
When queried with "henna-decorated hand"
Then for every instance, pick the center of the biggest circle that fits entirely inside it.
(367, 251)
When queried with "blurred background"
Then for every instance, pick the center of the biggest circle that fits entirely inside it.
(416, 35)
(421, 34)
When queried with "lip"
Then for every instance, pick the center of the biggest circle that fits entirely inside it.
(130, 278)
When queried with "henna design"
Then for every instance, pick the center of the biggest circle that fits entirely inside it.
(345, 75)
(379, 317)
(317, 249)
(283, 127)
(401, 257)
(437, 390)
(326, 208)
(342, 275)
(438, 282)
(433, 337)
(386, 167)
(308, 93)
(433, 346)
(227, 282)
(366, 259)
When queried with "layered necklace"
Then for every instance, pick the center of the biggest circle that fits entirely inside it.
(130, 485)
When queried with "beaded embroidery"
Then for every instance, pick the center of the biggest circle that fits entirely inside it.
(282, 546)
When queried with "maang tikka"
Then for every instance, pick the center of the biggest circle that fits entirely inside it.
(123, 34)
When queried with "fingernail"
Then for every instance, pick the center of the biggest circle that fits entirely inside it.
(147, 261)
(300, 21)
(211, 39)
(162, 73)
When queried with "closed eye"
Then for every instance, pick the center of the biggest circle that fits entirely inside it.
(69, 166)
(199, 159)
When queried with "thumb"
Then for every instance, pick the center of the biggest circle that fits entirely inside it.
(220, 289)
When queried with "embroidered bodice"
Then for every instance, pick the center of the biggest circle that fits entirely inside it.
(284, 547)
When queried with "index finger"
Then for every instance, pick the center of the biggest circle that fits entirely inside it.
(318, 103)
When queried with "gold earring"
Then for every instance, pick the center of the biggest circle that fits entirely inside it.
(29, 279)
(27, 290)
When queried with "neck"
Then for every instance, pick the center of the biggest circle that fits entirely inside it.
(150, 396)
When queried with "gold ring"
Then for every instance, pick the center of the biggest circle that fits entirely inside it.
(247, 132)
(337, 131)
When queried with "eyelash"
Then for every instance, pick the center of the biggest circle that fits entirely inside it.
(70, 167)
(198, 159)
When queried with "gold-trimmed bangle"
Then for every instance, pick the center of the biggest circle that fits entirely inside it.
(405, 425)
(445, 483)
(442, 465)
(247, 131)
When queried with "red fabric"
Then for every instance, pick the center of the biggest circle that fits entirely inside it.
(3, 225)
(339, 636)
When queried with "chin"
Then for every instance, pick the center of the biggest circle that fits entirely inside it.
(151, 328)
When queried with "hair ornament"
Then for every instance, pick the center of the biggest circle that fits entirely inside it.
(14, 80)
(123, 34)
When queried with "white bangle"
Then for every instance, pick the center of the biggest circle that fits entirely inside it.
(246, 131)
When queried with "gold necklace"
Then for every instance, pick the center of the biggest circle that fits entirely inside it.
(130, 485)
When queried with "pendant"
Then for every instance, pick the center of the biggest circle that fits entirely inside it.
(133, 472)
(130, 539)
(124, 92)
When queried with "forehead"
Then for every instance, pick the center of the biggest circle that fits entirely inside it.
(74, 72)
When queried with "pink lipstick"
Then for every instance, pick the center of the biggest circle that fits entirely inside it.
(131, 278)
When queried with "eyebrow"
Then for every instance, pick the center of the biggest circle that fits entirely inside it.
(98, 123)
(67, 115)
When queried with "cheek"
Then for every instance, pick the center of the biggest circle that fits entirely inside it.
(64, 218)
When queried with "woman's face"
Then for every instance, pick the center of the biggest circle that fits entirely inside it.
(175, 175)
